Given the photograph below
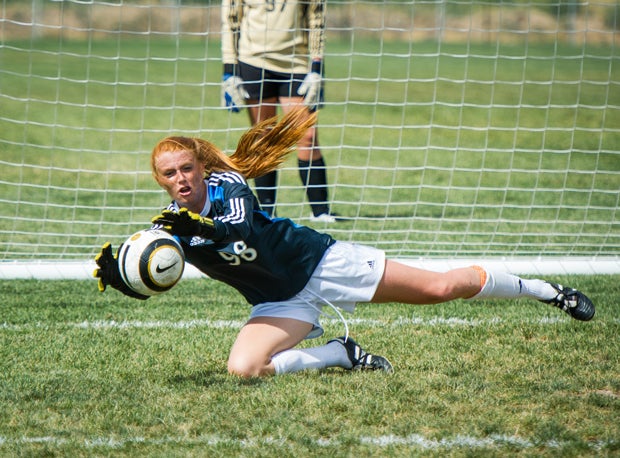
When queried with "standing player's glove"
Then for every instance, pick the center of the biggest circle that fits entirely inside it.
(311, 90)
(108, 273)
(185, 223)
(312, 86)
(233, 94)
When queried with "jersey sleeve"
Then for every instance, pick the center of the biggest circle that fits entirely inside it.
(232, 11)
(232, 207)
(316, 23)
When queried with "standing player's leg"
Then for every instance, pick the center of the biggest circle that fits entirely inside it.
(312, 169)
(266, 186)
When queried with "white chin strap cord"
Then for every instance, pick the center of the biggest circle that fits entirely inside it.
(340, 316)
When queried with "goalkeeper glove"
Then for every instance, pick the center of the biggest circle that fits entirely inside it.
(108, 273)
(185, 223)
(312, 87)
(233, 94)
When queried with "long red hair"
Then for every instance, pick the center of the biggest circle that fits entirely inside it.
(260, 150)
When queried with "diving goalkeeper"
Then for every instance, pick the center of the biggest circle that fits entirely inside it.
(292, 274)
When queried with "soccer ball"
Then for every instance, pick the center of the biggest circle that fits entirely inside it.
(151, 262)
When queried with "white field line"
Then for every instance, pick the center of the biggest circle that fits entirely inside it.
(414, 441)
(236, 324)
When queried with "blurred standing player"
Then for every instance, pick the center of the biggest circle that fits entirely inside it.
(273, 55)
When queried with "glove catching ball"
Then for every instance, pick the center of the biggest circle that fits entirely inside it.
(151, 262)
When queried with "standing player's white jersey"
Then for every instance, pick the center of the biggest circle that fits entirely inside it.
(278, 35)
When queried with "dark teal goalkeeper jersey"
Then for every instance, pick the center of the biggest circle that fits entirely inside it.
(266, 260)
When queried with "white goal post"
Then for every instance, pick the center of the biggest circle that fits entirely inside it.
(453, 132)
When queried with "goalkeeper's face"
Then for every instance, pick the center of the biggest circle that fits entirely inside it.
(182, 176)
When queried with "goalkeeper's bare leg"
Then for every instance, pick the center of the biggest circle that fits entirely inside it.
(265, 346)
(261, 338)
(410, 285)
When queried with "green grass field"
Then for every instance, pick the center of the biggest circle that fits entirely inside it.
(90, 374)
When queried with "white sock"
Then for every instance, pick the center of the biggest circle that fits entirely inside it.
(332, 354)
(504, 285)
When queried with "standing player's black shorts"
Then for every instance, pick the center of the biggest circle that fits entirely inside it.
(261, 83)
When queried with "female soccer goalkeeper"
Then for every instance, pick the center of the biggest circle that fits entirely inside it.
(273, 56)
(288, 273)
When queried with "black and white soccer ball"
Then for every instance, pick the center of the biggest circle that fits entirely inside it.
(151, 262)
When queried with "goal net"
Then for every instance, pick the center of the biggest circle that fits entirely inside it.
(452, 131)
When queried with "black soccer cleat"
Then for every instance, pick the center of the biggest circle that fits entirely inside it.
(573, 302)
(360, 360)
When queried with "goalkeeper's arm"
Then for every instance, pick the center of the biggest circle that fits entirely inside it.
(312, 86)
(187, 223)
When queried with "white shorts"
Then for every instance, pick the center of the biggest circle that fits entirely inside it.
(347, 274)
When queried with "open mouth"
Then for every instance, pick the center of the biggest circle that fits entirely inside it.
(185, 190)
